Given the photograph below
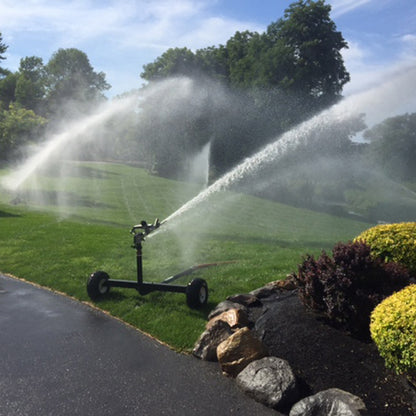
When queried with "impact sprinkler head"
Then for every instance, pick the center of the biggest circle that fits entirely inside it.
(147, 228)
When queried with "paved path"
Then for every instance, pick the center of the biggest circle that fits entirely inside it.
(61, 357)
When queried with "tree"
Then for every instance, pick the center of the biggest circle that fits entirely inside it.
(311, 51)
(30, 84)
(8, 88)
(278, 78)
(173, 62)
(393, 146)
(213, 62)
(17, 127)
(3, 49)
(72, 87)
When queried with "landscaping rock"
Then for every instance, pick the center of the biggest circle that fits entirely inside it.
(269, 381)
(206, 346)
(225, 306)
(235, 318)
(276, 287)
(239, 350)
(331, 402)
(245, 299)
(266, 291)
(286, 284)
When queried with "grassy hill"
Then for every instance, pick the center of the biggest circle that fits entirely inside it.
(66, 223)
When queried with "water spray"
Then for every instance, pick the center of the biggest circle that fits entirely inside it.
(401, 81)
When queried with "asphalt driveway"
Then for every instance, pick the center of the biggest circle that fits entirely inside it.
(62, 357)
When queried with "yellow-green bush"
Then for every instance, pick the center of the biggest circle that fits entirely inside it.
(393, 242)
(393, 329)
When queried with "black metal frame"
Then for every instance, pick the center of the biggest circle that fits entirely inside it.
(140, 231)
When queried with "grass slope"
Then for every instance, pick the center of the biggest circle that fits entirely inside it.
(68, 224)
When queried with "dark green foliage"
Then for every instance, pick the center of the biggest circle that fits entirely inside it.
(71, 79)
(349, 285)
(393, 146)
(3, 49)
(276, 79)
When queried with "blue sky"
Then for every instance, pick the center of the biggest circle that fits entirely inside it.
(120, 36)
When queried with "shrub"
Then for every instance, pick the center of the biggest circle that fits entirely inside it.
(393, 329)
(347, 286)
(393, 242)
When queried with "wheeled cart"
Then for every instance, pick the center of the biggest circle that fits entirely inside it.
(99, 282)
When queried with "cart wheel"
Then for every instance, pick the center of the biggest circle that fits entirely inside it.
(97, 285)
(197, 293)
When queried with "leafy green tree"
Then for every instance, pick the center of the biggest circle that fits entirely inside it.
(30, 84)
(311, 50)
(18, 126)
(393, 146)
(277, 79)
(8, 88)
(72, 87)
(240, 60)
(213, 62)
(3, 49)
(173, 62)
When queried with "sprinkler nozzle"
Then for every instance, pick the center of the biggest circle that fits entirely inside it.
(147, 228)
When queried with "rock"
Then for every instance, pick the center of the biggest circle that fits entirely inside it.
(239, 350)
(235, 318)
(269, 381)
(265, 292)
(225, 306)
(331, 402)
(286, 284)
(274, 288)
(245, 299)
(206, 346)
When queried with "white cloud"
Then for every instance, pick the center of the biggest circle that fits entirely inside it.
(340, 7)
(409, 46)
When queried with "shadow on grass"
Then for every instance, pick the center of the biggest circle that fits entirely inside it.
(57, 198)
(266, 240)
(4, 214)
(79, 171)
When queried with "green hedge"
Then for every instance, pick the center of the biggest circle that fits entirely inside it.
(393, 329)
(393, 242)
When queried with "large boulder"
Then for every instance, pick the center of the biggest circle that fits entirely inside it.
(270, 381)
(331, 402)
(235, 318)
(245, 299)
(225, 306)
(239, 350)
(206, 346)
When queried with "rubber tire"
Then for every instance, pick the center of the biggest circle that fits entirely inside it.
(96, 285)
(197, 293)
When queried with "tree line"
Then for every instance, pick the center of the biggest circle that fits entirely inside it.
(246, 92)
(40, 95)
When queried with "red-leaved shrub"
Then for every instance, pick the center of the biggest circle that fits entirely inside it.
(347, 286)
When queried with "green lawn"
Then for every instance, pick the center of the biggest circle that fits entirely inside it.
(79, 222)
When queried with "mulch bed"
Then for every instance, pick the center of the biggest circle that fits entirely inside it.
(323, 357)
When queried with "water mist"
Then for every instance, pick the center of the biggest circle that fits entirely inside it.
(377, 103)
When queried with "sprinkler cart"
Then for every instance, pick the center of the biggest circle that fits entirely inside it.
(196, 291)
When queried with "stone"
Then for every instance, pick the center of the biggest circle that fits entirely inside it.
(239, 350)
(225, 306)
(286, 284)
(266, 291)
(206, 346)
(245, 299)
(269, 381)
(235, 318)
(331, 402)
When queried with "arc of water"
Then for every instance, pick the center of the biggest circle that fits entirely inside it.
(59, 141)
(390, 94)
